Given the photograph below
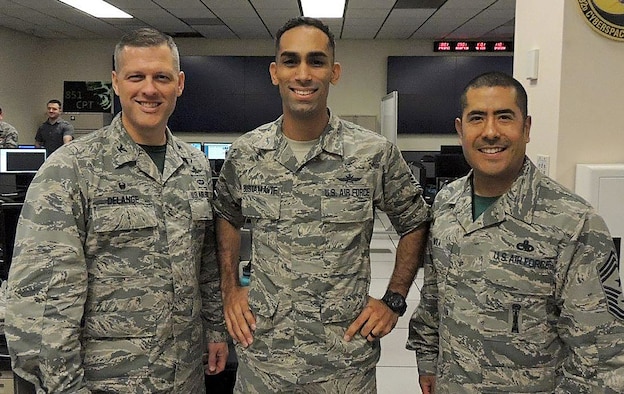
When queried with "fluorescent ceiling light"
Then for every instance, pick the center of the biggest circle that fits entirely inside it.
(97, 8)
(323, 8)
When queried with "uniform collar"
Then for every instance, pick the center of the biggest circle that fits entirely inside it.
(518, 202)
(125, 150)
(330, 141)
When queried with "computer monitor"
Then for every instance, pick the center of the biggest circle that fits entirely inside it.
(451, 150)
(216, 150)
(197, 145)
(20, 161)
(9, 215)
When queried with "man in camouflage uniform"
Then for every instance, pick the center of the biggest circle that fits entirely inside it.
(522, 291)
(114, 282)
(8, 134)
(309, 184)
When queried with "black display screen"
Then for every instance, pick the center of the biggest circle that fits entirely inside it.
(430, 87)
(227, 94)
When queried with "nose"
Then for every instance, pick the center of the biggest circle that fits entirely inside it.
(149, 86)
(490, 131)
(303, 72)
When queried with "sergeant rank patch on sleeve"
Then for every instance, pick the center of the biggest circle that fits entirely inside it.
(612, 285)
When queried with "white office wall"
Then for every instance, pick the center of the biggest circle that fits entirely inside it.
(19, 76)
(576, 102)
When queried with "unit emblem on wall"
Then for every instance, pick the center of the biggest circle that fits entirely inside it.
(605, 16)
(87, 96)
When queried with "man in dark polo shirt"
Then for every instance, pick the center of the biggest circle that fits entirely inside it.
(55, 131)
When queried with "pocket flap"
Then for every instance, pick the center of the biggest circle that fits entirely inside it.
(123, 217)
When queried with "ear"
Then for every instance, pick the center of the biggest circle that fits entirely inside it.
(181, 78)
(114, 79)
(527, 129)
(336, 71)
(272, 72)
(458, 128)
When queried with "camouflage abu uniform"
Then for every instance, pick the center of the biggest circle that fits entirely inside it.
(112, 261)
(8, 135)
(514, 301)
(312, 223)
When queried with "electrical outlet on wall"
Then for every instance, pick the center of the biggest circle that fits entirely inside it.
(543, 164)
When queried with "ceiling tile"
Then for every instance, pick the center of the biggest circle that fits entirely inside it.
(259, 19)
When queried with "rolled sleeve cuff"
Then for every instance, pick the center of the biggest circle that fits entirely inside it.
(426, 367)
(216, 336)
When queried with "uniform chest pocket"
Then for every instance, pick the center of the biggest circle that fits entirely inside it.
(521, 287)
(201, 209)
(260, 202)
(347, 203)
(110, 218)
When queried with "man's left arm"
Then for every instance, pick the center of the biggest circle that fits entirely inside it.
(212, 307)
(68, 133)
(11, 138)
(591, 323)
(402, 201)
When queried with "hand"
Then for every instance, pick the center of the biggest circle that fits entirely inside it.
(375, 321)
(427, 383)
(238, 317)
(217, 357)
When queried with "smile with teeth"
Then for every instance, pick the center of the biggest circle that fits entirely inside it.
(148, 104)
(303, 92)
(491, 150)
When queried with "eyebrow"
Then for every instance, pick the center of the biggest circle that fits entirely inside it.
(497, 112)
(308, 55)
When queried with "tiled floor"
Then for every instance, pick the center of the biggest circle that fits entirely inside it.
(396, 370)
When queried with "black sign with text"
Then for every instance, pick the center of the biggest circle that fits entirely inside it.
(87, 96)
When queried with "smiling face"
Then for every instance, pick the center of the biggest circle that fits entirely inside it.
(148, 86)
(304, 68)
(494, 134)
(53, 111)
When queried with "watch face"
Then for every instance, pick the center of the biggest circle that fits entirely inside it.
(396, 302)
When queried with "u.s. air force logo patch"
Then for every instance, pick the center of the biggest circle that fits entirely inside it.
(605, 16)
(612, 285)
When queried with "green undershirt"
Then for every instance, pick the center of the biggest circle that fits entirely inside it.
(480, 204)
(157, 153)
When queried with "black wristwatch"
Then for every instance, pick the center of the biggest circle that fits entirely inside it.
(395, 301)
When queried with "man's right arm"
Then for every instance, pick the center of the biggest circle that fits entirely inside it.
(238, 317)
(423, 335)
(47, 285)
(38, 140)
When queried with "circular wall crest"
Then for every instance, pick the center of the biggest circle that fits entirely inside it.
(605, 16)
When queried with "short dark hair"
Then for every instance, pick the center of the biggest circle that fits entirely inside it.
(55, 101)
(146, 37)
(306, 21)
(496, 78)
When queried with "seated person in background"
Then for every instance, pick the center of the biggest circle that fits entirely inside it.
(522, 290)
(8, 134)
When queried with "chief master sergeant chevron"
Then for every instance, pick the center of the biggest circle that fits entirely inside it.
(522, 292)
(114, 285)
(309, 183)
